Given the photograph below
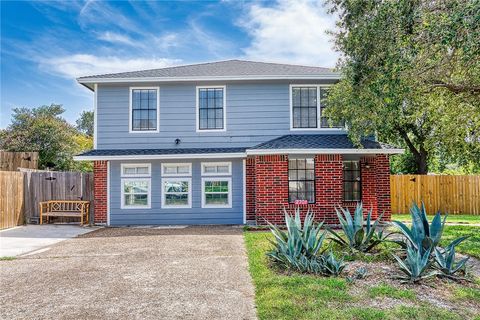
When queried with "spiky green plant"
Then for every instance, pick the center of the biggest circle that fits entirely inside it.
(358, 234)
(422, 235)
(445, 259)
(331, 266)
(298, 243)
(416, 266)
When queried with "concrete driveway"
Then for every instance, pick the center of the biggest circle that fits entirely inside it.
(23, 239)
(133, 273)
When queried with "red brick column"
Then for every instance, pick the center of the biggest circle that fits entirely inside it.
(383, 186)
(271, 188)
(329, 186)
(369, 185)
(100, 191)
(250, 185)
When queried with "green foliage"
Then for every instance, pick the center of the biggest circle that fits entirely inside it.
(44, 130)
(422, 235)
(408, 67)
(85, 123)
(358, 236)
(298, 248)
(416, 265)
(445, 259)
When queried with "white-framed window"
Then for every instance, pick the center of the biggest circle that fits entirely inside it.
(136, 169)
(307, 104)
(216, 168)
(176, 193)
(144, 109)
(136, 193)
(176, 169)
(211, 108)
(216, 192)
(136, 185)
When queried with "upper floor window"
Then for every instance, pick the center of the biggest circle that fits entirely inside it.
(307, 106)
(211, 108)
(144, 109)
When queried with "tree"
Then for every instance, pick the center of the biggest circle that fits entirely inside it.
(85, 123)
(411, 75)
(44, 130)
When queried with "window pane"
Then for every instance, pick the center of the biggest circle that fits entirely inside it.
(296, 97)
(183, 169)
(216, 199)
(135, 187)
(222, 169)
(136, 199)
(292, 174)
(312, 97)
(301, 174)
(209, 169)
(310, 175)
(310, 163)
(129, 170)
(176, 199)
(171, 170)
(176, 186)
(141, 170)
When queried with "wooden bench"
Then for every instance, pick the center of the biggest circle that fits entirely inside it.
(64, 208)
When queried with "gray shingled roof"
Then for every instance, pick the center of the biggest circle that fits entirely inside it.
(319, 141)
(220, 69)
(150, 152)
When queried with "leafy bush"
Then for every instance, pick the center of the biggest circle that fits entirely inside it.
(357, 236)
(445, 259)
(298, 248)
(422, 235)
(416, 265)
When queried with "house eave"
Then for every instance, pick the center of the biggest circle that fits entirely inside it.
(323, 151)
(91, 80)
(163, 156)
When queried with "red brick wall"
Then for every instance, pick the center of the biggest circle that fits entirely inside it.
(100, 191)
(269, 174)
(250, 185)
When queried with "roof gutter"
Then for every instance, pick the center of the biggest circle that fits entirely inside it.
(89, 80)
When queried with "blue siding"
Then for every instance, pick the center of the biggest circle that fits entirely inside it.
(256, 112)
(194, 215)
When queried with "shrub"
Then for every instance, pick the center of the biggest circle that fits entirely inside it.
(422, 235)
(298, 248)
(416, 265)
(359, 234)
(445, 260)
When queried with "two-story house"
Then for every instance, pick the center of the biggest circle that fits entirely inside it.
(227, 142)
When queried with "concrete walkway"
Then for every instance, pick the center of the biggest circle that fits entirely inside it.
(133, 273)
(24, 239)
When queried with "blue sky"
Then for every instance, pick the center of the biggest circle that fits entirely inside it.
(45, 45)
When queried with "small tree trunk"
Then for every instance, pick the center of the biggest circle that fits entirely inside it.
(421, 161)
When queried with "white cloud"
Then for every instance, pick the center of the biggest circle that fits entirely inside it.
(77, 65)
(116, 38)
(290, 32)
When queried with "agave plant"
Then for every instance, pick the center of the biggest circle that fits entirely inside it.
(295, 247)
(446, 262)
(416, 265)
(422, 235)
(331, 266)
(359, 234)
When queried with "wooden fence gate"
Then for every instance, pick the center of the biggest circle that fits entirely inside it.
(11, 199)
(452, 194)
(43, 186)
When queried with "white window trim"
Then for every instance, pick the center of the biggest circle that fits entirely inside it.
(197, 89)
(134, 165)
(189, 205)
(229, 173)
(130, 93)
(166, 165)
(318, 128)
(149, 194)
(229, 205)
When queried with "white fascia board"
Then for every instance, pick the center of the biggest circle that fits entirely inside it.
(323, 151)
(164, 156)
(326, 76)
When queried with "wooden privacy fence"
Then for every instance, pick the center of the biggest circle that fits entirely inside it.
(11, 199)
(21, 192)
(452, 194)
(11, 161)
(51, 185)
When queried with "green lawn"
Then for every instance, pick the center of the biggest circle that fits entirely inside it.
(471, 246)
(461, 218)
(298, 296)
